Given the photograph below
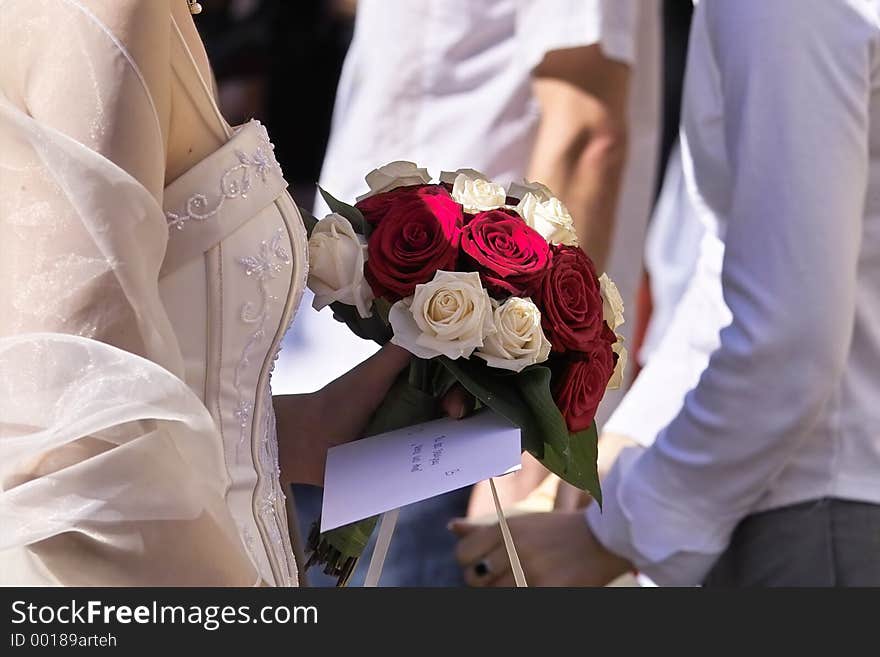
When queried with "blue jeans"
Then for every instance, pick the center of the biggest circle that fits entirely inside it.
(422, 549)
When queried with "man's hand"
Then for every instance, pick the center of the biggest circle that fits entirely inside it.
(556, 549)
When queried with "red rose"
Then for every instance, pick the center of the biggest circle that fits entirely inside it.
(571, 301)
(512, 258)
(581, 384)
(374, 208)
(418, 235)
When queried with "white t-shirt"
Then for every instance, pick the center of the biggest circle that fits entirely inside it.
(446, 83)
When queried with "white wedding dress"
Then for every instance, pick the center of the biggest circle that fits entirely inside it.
(137, 437)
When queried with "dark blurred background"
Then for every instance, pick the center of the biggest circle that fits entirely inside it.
(279, 61)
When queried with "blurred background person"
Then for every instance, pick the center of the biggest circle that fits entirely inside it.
(672, 248)
(566, 92)
(672, 256)
(752, 478)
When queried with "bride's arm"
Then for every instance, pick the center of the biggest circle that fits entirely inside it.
(111, 470)
(308, 425)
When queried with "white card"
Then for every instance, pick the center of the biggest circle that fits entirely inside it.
(371, 476)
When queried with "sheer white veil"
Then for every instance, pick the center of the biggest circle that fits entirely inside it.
(107, 458)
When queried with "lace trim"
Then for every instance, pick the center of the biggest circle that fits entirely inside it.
(268, 453)
(269, 490)
(235, 182)
(271, 259)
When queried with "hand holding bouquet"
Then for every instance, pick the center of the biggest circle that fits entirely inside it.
(489, 289)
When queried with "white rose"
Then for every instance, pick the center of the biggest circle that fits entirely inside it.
(519, 190)
(612, 302)
(393, 175)
(336, 265)
(550, 218)
(518, 340)
(617, 376)
(475, 193)
(450, 316)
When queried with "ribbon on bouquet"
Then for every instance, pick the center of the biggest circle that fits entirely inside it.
(386, 530)
(383, 541)
(519, 577)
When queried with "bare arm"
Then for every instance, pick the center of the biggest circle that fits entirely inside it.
(579, 153)
(580, 148)
(308, 425)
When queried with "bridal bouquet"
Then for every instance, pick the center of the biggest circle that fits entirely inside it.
(489, 289)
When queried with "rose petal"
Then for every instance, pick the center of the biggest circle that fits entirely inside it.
(612, 309)
(394, 174)
(448, 316)
(337, 255)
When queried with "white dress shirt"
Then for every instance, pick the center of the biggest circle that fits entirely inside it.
(447, 84)
(781, 121)
(672, 247)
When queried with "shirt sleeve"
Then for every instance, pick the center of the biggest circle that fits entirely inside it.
(794, 78)
(546, 25)
(111, 468)
(674, 369)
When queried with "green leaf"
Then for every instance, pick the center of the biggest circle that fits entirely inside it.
(351, 540)
(308, 218)
(503, 393)
(403, 406)
(354, 216)
(372, 328)
(525, 399)
(441, 379)
(382, 307)
(576, 464)
(534, 385)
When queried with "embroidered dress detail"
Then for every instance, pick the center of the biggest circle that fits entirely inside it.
(270, 261)
(235, 183)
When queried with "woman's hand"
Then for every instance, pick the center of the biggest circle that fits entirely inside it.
(309, 425)
(555, 549)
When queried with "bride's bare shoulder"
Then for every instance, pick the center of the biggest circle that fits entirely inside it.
(120, 14)
(140, 29)
(127, 18)
(112, 56)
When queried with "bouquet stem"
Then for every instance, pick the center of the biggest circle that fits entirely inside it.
(325, 548)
